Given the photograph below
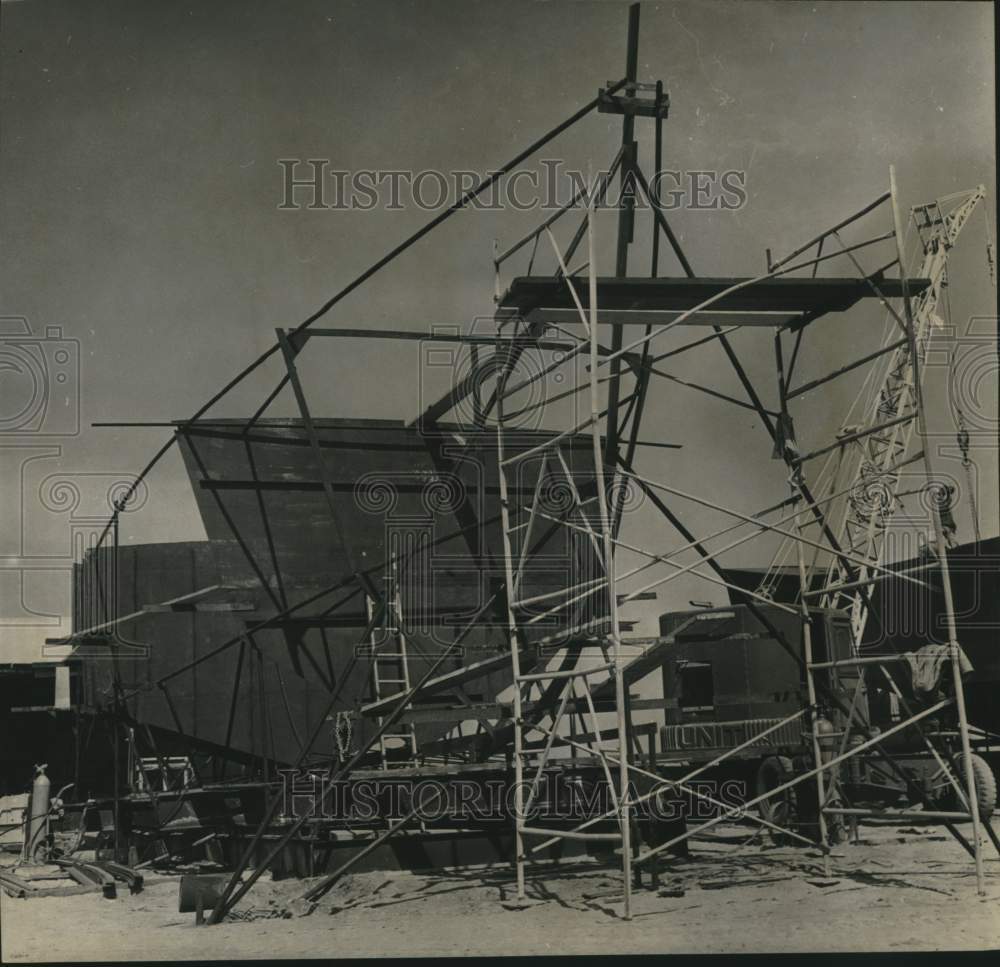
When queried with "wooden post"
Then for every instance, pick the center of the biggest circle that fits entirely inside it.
(624, 817)
(657, 164)
(942, 549)
(116, 670)
(519, 857)
(807, 653)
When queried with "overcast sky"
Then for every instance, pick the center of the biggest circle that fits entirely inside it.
(140, 192)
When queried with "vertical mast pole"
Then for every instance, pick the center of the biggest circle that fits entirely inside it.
(626, 223)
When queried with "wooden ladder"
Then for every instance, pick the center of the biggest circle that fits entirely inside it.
(391, 675)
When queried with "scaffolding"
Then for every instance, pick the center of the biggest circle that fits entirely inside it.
(856, 562)
(566, 651)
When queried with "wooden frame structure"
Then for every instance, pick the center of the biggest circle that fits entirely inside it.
(526, 319)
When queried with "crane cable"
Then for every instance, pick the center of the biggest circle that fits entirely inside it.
(962, 431)
(963, 445)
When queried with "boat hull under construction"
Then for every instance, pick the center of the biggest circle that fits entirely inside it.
(243, 645)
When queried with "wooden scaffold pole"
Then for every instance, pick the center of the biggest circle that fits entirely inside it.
(955, 651)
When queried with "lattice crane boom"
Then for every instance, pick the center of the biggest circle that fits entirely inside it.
(878, 458)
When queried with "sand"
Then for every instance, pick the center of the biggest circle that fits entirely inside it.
(899, 890)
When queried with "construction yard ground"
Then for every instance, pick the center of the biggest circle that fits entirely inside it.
(899, 889)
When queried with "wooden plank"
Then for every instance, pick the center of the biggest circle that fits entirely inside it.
(74, 890)
(219, 606)
(573, 834)
(453, 715)
(466, 673)
(184, 598)
(790, 294)
(654, 317)
(405, 335)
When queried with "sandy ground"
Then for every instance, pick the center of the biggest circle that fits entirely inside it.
(898, 890)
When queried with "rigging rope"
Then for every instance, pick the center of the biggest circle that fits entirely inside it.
(963, 444)
(991, 264)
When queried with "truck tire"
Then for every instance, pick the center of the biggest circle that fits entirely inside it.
(986, 787)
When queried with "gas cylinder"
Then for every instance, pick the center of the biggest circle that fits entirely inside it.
(38, 813)
(824, 733)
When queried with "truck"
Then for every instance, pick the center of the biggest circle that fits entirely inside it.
(733, 681)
